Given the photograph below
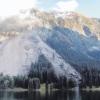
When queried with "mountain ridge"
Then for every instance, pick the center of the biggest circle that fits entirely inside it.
(74, 39)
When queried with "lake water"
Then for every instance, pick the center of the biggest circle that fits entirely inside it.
(57, 95)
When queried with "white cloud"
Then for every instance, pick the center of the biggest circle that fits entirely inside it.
(64, 6)
(11, 7)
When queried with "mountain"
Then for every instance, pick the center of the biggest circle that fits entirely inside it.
(69, 41)
(19, 53)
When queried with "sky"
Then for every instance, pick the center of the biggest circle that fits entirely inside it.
(87, 7)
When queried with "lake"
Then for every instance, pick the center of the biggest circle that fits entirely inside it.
(56, 95)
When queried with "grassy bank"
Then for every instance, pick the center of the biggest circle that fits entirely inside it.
(17, 89)
(91, 89)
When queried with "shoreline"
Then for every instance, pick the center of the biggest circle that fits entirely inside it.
(93, 89)
(43, 90)
(14, 90)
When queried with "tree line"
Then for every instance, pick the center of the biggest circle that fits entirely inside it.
(90, 77)
(44, 72)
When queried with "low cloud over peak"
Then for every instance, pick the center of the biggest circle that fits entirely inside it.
(63, 6)
(12, 7)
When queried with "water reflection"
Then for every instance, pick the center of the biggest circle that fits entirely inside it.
(56, 95)
(90, 95)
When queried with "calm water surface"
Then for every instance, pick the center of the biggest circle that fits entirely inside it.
(58, 95)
